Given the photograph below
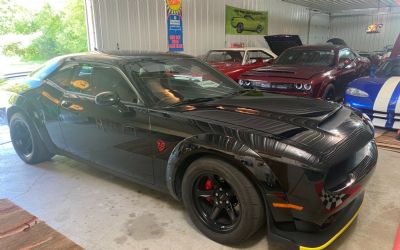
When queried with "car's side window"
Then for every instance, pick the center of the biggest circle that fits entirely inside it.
(94, 79)
(346, 54)
(62, 77)
(256, 55)
(352, 55)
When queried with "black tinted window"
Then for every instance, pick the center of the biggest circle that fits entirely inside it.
(63, 76)
(174, 80)
(93, 79)
(389, 68)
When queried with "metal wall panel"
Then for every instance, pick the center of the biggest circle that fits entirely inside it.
(352, 30)
(319, 29)
(141, 24)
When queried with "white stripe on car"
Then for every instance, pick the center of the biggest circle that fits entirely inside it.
(382, 101)
(383, 98)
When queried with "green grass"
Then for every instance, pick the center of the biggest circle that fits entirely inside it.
(2, 81)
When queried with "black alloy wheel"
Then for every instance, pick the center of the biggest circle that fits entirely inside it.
(216, 202)
(22, 138)
(221, 201)
(26, 140)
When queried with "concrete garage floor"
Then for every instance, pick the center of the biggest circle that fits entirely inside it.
(99, 211)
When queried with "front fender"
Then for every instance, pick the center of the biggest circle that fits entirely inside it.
(226, 147)
(324, 83)
(19, 103)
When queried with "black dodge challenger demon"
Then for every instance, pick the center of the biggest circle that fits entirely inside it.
(236, 158)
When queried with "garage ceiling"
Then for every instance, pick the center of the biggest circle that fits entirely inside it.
(333, 6)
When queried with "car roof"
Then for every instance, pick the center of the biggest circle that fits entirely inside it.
(114, 56)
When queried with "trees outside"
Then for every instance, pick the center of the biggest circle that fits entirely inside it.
(54, 32)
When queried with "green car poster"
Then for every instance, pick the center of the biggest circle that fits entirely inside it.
(245, 22)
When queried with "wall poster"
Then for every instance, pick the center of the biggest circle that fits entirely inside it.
(245, 22)
(174, 25)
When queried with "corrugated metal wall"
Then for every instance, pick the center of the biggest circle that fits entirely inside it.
(319, 28)
(352, 30)
(141, 24)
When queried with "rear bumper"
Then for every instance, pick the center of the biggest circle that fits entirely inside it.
(322, 238)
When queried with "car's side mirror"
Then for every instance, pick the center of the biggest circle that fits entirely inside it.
(268, 61)
(107, 98)
(346, 62)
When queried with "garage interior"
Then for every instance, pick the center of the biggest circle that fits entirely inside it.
(97, 210)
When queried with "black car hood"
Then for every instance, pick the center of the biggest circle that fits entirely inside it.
(280, 116)
(307, 128)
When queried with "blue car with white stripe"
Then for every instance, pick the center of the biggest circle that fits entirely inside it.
(378, 95)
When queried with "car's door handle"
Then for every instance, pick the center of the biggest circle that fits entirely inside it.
(65, 104)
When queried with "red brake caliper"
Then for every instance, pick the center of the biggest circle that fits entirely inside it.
(208, 185)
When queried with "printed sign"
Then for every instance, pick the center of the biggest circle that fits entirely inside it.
(374, 28)
(174, 25)
(245, 22)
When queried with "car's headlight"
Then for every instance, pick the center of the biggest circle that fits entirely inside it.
(246, 83)
(356, 92)
(303, 86)
(307, 86)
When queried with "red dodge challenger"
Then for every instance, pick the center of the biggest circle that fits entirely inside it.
(320, 71)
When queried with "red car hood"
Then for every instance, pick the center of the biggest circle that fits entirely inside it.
(299, 72)
(226, 66)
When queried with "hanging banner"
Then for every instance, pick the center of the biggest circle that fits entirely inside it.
(174, 25)
(245, 22)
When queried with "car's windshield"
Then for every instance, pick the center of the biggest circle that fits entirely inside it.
(307, 57)
(225, 56)
(45, 69)
(389, 68)
(175, 80)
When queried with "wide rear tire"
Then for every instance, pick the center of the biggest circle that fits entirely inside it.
(221, 201)
(329, 93)
(26, 140)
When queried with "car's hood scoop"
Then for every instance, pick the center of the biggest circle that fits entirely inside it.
(269, 113)
(286, 71)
